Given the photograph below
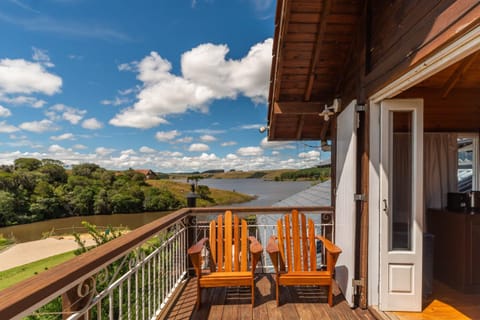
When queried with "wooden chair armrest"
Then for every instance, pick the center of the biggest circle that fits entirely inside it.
(255, 246)
(329, 246)
(272, 246)
(197, 248)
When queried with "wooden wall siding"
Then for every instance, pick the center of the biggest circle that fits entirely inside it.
(404, 32)
(459, 111)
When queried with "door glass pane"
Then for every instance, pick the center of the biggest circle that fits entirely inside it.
(465, 161)
(401, 182)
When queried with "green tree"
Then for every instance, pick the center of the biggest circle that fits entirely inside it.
(85, 169)
(54, 173)
(27, 164)
(7, 208)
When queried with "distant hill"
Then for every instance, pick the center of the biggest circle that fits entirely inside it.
(315, 173)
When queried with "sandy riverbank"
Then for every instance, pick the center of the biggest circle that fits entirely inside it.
(22, 253)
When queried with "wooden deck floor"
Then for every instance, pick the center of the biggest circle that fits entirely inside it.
(234, 303)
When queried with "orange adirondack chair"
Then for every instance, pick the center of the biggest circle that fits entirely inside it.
(228, 255)
(294, 255)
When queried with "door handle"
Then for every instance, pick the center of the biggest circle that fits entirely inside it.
(385, 205)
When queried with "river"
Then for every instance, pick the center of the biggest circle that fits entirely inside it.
(267, 192)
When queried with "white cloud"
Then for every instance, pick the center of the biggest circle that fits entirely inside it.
(65, 136)
(23, 100)
(4, 112)
(250, 126)
(102, 151)
(265, 144)
(231, 156)
(185, 140)
(208, 138)
(80, 147)
(128, 152)
(198, 147)
(207, 75)
(39, 126)
(70, 114)
(166, 135)
(92, 124)
(115, 102)
(250, 151)
(42, 57)
(7, 128)
(25, 77)
(275, 153)
(145, 149)
(55, 148)
(228, 143)
(310, 155)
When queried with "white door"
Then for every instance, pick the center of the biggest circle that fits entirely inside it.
(346, 151)
(401, 212)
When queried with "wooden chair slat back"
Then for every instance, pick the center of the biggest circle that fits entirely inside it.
(304, 242)
(220, 243)
(288, 243)
(213, 240)
(244, 239)
(228, 241)
(281, 244)
(236, 248)
(296, 242)
(312, 245)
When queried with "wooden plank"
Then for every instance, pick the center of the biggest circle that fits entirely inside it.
(312, 245)
(296, 241)
(213, 241)
(228, 241)
(236, 236)
(244, 240)
(288, 242)
(281, 244)
(220, 243)
(304, 242)
(300, 107)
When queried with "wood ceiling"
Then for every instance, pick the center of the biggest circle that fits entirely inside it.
(313, 40)
(451, 97)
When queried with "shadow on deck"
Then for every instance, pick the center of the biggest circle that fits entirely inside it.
(234, 303)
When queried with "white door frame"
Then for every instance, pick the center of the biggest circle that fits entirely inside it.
(448, 55)
(401, 269)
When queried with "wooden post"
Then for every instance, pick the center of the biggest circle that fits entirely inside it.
(73, 302)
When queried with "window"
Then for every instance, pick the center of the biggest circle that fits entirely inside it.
(467, 173)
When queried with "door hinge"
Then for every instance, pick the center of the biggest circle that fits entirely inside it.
(359, 197)
(360, 108)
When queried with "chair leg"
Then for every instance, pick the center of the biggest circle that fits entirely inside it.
(330, 295)
(253, 294)
(199, 296)
(277, 292)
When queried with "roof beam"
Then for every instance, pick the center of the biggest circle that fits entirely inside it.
(318, 43)
(459, 71)
(299, 132)
(296, 108)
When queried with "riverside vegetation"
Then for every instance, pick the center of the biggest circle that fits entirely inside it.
(35, 190)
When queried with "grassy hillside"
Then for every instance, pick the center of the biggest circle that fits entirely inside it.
(219, 197)
(269, 175)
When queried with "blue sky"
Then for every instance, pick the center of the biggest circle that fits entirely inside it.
(175, 85)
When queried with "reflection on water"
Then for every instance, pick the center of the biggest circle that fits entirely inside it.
(33, 231)
(267, 192)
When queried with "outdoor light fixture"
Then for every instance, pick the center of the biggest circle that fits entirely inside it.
(263, 129)
(330, 110)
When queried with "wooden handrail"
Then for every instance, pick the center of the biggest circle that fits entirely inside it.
(27, 296)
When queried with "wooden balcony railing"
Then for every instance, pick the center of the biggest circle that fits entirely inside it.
(135, 275)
